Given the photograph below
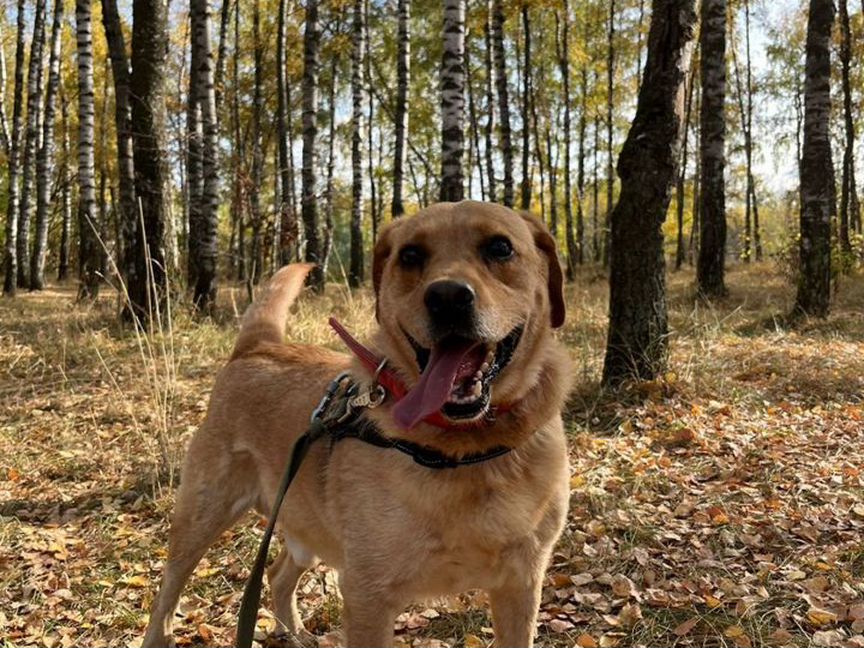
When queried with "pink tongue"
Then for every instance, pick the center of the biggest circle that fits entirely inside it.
(433, 389)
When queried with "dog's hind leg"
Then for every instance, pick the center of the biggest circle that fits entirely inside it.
(284, 575)
(209, 501)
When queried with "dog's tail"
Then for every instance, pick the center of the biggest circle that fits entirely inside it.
(264, 320)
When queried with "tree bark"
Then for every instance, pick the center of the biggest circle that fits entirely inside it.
(525, 189)
(203, 229)
(355, 275)
(596, 236)
(751, 183)
(474, 131)
(66, 191)
(327, 239)
(849, 206)
(128, 215)
(638, 330)
(500, 57)
(257, 175)
(90, 253)
(10, 282)
(403, 69)
(817, 177)
(45, 155)
(610, 158)
(310, 133)
(31, 142)
(4, 120)
(147, 287)
(373, 184)
(574, 254)
(490, 104)
(680, 250)
(712, 249)
(453, 102)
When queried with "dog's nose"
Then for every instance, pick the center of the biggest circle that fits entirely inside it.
(449, 301)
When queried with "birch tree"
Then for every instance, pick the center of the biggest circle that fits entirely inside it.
(453, 101)
(45, 156)
(403, 72)
(505, 133)
(355, 275)
(309, 198)
(817, 176)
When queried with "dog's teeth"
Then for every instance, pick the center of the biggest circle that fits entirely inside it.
(479, 374)
(483, 369)
(478, 389)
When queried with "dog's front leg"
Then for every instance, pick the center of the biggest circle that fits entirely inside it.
(369, 614)
(514, 611)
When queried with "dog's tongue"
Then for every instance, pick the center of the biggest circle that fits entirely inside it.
(433, 389)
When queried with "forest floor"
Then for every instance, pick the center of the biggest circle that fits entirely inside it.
(720, 506)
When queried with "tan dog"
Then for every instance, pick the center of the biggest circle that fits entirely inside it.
(468, 293)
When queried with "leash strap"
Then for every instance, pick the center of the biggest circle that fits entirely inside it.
(252, 593)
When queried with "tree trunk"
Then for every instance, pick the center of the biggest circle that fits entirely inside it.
(310, 134)
(147, 288)
(203, 232)
(580, 173)
(610, 158)
(238, 201)
(128, 216)
(90, 253)
(490, 104)
(817, 177)
(525, 189)
(355, 275)
(14, 163)
(31, 143)
(45, 156)
(474, 130)
(453, 102)
(680, 250)
(66, 191)
(327, 239)
(751, 184)
(373, 185)
(222, 51)
(712, 249)
(574, 254)
(4, 120)
(747, 251)
(403, 68)
(849, 207)
(638, 331)
(553, 184)
(595, 207)
(257, 175)
(500, 57)
(288, 230)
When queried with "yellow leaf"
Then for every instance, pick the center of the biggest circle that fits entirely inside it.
(821, 617)
(473, 641)
(713, 602)
(577, 481)
(136, 581)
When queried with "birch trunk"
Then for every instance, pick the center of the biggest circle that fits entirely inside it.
(310, 134)
(817, 177)
(204, 230)
(14, 163)
(505, 133)
(712, 249)
(525, 189)
(638, 330)
(257, 175)
(66, 192)
(89, 254)
(147, 289)
(4, 120)
(355, 275)
(403, 70)
(31, 143)
(490, 104)
(610, 159)
(128, 215)
(849, 207)
(453, 101)
(288, 230)
(45, 156)
(574, 254)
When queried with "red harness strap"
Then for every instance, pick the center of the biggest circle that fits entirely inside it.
(388, 379)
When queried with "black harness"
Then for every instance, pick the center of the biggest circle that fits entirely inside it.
(338, 416)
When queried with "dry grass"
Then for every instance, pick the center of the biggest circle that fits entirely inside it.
(721, 505)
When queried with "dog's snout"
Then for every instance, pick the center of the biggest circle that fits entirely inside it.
(449, 301)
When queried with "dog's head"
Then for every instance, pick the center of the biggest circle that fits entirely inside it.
(465, 295)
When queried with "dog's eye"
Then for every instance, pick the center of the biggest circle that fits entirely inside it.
(498, 248)
(412, 256)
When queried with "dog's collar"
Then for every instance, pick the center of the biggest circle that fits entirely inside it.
(391, 382)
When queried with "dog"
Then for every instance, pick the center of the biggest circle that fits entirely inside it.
(467, 295)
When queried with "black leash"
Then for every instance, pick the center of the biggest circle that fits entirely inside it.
(339, 419)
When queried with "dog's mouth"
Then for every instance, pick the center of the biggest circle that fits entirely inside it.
(456, 377)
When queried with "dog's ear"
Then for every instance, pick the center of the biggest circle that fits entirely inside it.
(546, 244)
(383, 248)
